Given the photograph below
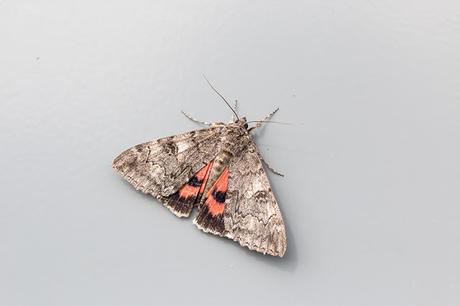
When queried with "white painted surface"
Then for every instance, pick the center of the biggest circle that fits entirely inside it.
(371, 195)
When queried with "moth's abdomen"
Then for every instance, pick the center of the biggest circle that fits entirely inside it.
(220, 162)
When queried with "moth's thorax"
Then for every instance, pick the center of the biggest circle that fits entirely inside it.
(236, 137)
(234, 140)
(242, 122)
(237, 123)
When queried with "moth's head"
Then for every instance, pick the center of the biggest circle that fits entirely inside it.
(242, 122)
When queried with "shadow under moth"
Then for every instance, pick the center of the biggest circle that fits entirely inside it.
(217, 169)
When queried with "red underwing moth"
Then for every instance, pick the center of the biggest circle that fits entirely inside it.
(217, 169)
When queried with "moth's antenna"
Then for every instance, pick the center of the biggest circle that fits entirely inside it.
(269, 121)
(259, 123)
(209, 83)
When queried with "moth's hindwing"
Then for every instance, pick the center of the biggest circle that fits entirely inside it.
(182, 201)
(210, 217)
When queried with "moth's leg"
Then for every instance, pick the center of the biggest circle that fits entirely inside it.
(268, 166)
(236, 111)
(195, 120)
(268, 117)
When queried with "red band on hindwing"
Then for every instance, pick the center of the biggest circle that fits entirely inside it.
(215, 199)
(182, 201)
(196, 183)
(211, 215)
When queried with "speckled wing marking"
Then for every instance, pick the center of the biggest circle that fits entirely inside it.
(160, 167)
(252, 216)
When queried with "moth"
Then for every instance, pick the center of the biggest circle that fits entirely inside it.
(218, 170)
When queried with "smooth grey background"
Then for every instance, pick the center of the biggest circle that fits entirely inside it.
(371, 194)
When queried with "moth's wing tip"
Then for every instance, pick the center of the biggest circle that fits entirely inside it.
(115, 164)
(120, 159)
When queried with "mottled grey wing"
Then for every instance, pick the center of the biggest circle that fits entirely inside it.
(160, 167)
(252, 216)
